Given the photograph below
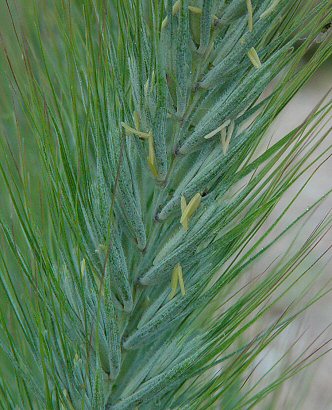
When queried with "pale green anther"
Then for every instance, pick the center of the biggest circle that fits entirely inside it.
(137, 120)
(195, 10)
(177, 278)
(175, 10)
(188, 210)
(152, 157)
(183, 204)
(226, 136)
(253, 56)
(217, 130)
(83, 265)
(129, 130)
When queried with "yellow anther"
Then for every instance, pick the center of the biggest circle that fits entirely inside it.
(183, 203)
(137, 120)
(130, 130)
(175, 10)
(250, 15)
(149, 83)
(83, 265)
(214, 132)
(181, 281)
(152, 157)
(252, 54)
(193, 204)
(223, 139)
(199, 11)
(195, 10)
(147, 136)
(226, 136)
(177, 278)
(189, 210)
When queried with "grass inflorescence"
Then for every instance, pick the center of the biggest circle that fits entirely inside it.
(142, 189)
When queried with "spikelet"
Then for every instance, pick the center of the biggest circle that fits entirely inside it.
(225, 65)
(232, 103)
(182, 62)
(157, 145)
(117, 272)
(159, 321)
(113, 334)
(205, 29)
(234, 10)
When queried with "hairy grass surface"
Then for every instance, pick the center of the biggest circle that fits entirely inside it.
(140, 186)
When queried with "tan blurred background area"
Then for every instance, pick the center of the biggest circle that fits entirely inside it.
(314, 391)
